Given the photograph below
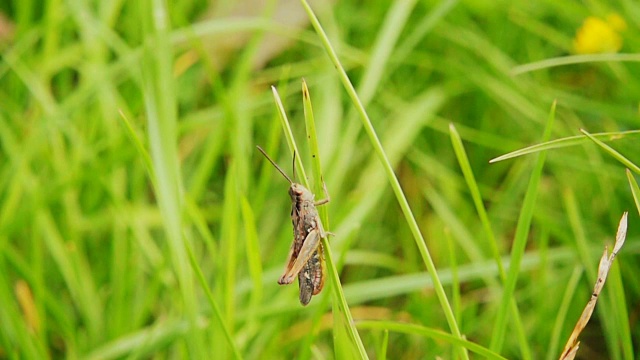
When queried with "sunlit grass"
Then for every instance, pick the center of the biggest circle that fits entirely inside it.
(137, 219)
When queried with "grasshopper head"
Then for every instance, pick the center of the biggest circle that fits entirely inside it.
(300, 193)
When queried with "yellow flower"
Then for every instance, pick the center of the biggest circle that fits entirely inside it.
(599, 36)
(617, 22)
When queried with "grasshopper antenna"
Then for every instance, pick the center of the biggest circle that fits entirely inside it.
(276, 165)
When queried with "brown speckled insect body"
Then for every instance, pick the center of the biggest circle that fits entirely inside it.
(306, 257)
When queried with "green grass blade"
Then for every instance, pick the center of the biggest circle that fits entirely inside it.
(75, 272)
(616, 155)
(465, 166)
(553, 348)
(439, 335)
(425, 25)
(253, 252)
(385, 345)
(395, 185)
(144, 341)
(455, 281)
(347, 343)
(573, 59)
(472, 184)
(564, 142)
(383, 48)
(635, 190)
(312, 137)
(138, 143)
(318, 180)
(16, 328)
(334, 279)
(136, 220)
(619, 312)
(160, 104)
(219, 319)
(612, 313)
(288, 134)
(520, 241)
(229, 248)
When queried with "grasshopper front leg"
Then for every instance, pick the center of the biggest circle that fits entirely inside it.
(308, 247)
(326, 199)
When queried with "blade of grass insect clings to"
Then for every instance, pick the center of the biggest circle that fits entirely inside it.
(520, 241)
(274, 137)
(635, 190)
(395, 184)
(474, 190)
(347, 345)
(339, 297)
(310, 126)
(288, 134)
(306, 345)
(616, 155)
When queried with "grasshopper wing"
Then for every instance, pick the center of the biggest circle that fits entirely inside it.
(308, 247)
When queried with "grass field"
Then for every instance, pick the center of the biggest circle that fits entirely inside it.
(138, 220)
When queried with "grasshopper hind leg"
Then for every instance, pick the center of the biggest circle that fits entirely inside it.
(319, 270)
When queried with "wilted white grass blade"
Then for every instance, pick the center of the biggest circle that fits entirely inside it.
(571, 347)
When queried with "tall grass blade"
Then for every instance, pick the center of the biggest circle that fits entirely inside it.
(564, 142)
(520, 241)
(412, 329)
(635, 190)
(395, 184)
(465, 166)
(160, 105)
(616, 155)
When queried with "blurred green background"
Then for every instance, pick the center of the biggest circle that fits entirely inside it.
(137, 219)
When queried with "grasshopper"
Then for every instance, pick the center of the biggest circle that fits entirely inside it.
(306, 257)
